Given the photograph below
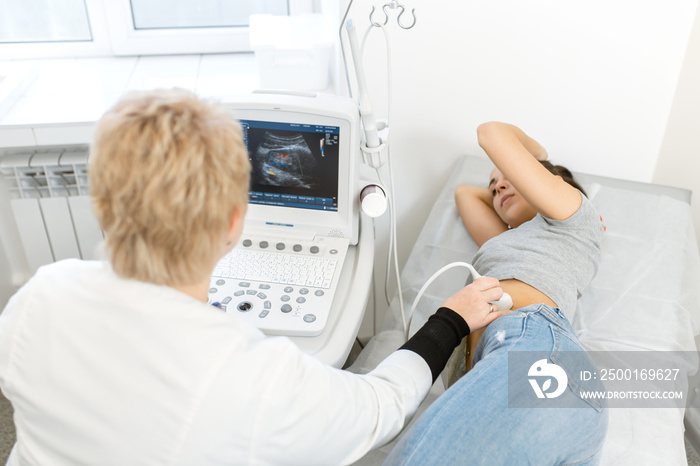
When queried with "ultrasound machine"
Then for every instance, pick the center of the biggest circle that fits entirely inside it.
(303, 211)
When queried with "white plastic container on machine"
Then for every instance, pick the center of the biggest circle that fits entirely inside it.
(293, 52)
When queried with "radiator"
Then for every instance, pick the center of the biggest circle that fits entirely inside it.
(47, 192)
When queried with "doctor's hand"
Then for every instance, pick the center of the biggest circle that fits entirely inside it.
(472, 302)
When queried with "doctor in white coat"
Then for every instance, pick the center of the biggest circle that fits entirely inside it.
(123, 361)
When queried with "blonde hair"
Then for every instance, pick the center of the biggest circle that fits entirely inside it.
(167, 173)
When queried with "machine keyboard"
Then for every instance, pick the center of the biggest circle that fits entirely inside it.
(283, 287)
(271, 267)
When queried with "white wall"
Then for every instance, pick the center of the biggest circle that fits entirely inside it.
(594, 82)
(679, 158)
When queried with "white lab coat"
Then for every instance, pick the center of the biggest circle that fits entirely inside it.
(102, 370)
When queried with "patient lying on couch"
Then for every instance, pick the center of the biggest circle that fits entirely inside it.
(541, 237)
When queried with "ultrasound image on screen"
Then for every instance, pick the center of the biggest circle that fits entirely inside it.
(284, 159)
(293, 165)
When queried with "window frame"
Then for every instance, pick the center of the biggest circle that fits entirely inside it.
(98, 46)
(118, 37)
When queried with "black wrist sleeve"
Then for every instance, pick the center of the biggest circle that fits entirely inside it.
(437, 339)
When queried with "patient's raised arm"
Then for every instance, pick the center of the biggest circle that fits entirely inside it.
(476, 209)
(517, 155)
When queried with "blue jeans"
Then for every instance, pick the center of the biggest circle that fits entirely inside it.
(472, 423)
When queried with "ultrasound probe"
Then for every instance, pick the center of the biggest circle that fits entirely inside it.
(503, 304)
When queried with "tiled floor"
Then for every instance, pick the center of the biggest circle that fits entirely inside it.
(692, 455)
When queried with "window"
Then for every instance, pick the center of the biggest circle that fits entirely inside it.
(44, 21)
(53, 28)
(168, 14)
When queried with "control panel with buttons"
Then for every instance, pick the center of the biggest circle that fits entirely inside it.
(282, 286)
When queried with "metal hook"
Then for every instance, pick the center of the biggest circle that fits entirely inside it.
(398, 20)
(376, 24)
(394, 4)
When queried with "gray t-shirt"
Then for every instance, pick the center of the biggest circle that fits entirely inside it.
(557, 257)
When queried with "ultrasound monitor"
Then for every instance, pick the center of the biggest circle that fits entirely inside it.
(293, 164)
(304, 155)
